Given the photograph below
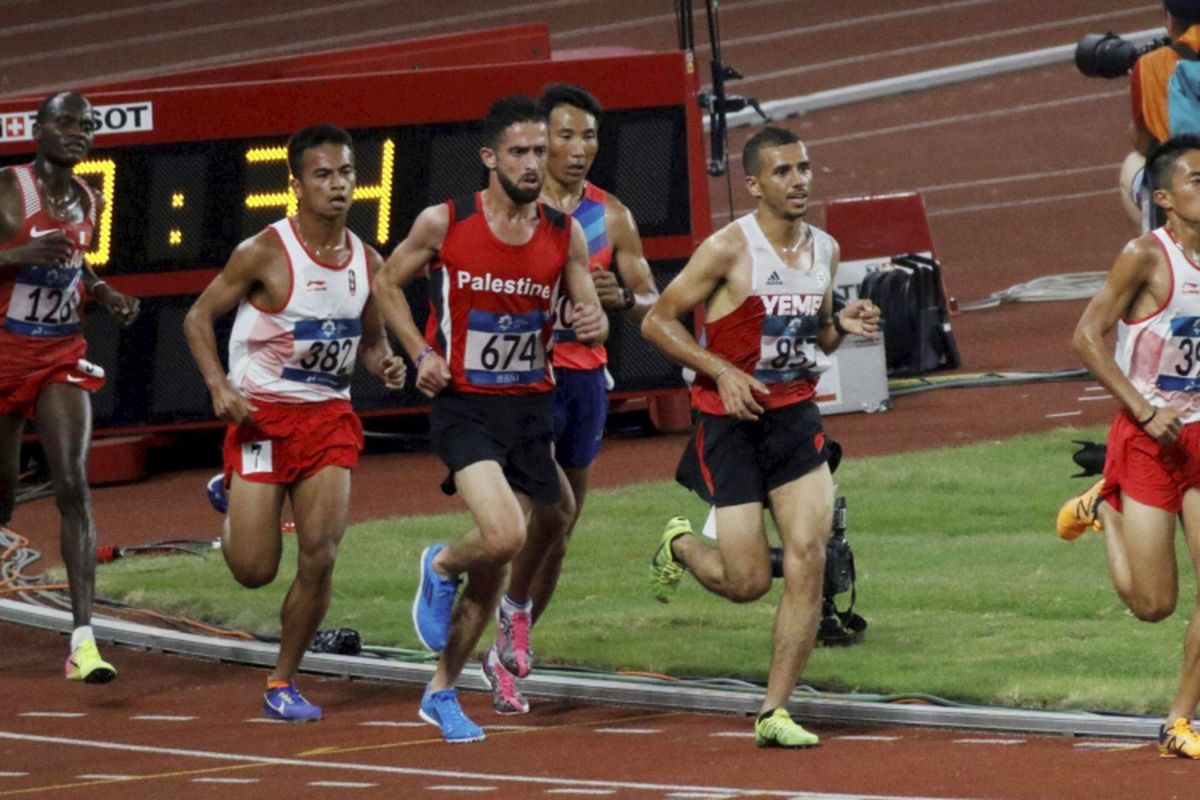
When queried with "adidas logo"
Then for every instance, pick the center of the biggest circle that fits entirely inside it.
(774, 280)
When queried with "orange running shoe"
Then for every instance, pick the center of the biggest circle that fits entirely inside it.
(1079, 513)
(1179, 741)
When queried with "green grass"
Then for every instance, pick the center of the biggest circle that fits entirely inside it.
(968, 592)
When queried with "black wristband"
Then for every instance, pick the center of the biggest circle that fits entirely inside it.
(1144, 422)
(837, 325)
(630, 298)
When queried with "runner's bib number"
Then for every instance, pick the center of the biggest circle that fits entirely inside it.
(788, 348)
(505, 349)
(564, 320)
(1182, 373)
(324, 352)
(45, 302)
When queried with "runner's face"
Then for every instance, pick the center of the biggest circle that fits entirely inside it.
(573, 144)
(784, 180)
(326, 183)
(64, 137)
(519, 160)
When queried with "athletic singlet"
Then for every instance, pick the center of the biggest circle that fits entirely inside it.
(43, 303)
(590, 213)
(491, 303)
(1160, 353)
(772, 335)
(305, 351)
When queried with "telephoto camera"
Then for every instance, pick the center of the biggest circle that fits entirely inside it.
(1106, 55)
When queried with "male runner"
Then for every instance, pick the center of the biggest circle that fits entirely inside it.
(766, 282)
(1152, 464)
(495, 262)
(47, 220)
(304, 316)
(580, 390)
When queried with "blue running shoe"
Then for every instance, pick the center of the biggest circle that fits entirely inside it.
(434, 603)
(217, 494)
(442, 709)
(286, 703)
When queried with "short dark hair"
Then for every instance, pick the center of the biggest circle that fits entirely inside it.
(770, 136)
(568, 94)
(43, 110)
(1185, 11)
(1162, 157)
(310, 137)
(509, 110)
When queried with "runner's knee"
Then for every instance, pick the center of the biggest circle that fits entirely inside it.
(1149, 607)
(747, 587)
(253, 576)
(502, 541)
(71, 495)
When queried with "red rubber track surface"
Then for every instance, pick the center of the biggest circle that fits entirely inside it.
(1018, 173)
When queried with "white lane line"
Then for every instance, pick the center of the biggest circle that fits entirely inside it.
(630, 731)
(163, 717)
(54, 714)
(102, 776)
(1000, 742)
(1095, 389)
(448, 788)
(1058, 198)
(343, 784)
(867, 738)
(694, 796)
(13, 774)
(1110, 745)
(384, 769)
(582, 791)
(232, 781)
(387, 723)
(1091, 398)
(1057, 414)
(266, 721)
(734, 734)
(510, 727)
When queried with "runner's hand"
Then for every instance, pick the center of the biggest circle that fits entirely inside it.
(394, 372)
(231, 405)
(589, 323)
(122, 306)
(51, 250)
(861, 317)
(612, 297)
(737, 393)
(1165, 427)
(433, 374)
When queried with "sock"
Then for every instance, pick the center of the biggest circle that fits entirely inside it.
(511, 606)
(277, 684)
(767, 713)
(80, 635)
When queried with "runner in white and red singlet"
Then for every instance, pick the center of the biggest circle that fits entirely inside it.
(766, 284)
(47, 222)
(1152, 466)
(580, 377)
(496, 262)
(305, 315)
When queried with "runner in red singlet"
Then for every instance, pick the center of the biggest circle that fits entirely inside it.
(305, 315)
(766, 283)
(496, 262)
(580, 375)
(47, 220)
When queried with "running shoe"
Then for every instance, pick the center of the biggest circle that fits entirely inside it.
(217, 494)
(442, 709)
(434, 603)
(778, 730)
(665, 570)
(85, 664)
(1180, 740)
(1079, 513)
(286, 703)
(506, 697)
(512, 641)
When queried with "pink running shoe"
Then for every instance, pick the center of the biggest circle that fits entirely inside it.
(512, 641)
(506, 698)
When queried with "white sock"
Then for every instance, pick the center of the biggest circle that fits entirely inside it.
(80, 635)
(511, 606)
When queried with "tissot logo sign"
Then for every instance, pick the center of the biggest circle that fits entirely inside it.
(122, 118)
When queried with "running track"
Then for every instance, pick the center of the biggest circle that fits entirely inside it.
(1018, 176)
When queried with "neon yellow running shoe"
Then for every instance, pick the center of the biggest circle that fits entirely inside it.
(1180, 740)
(85, 664)
(665, 570)
(1079, 513)
(778, 730)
